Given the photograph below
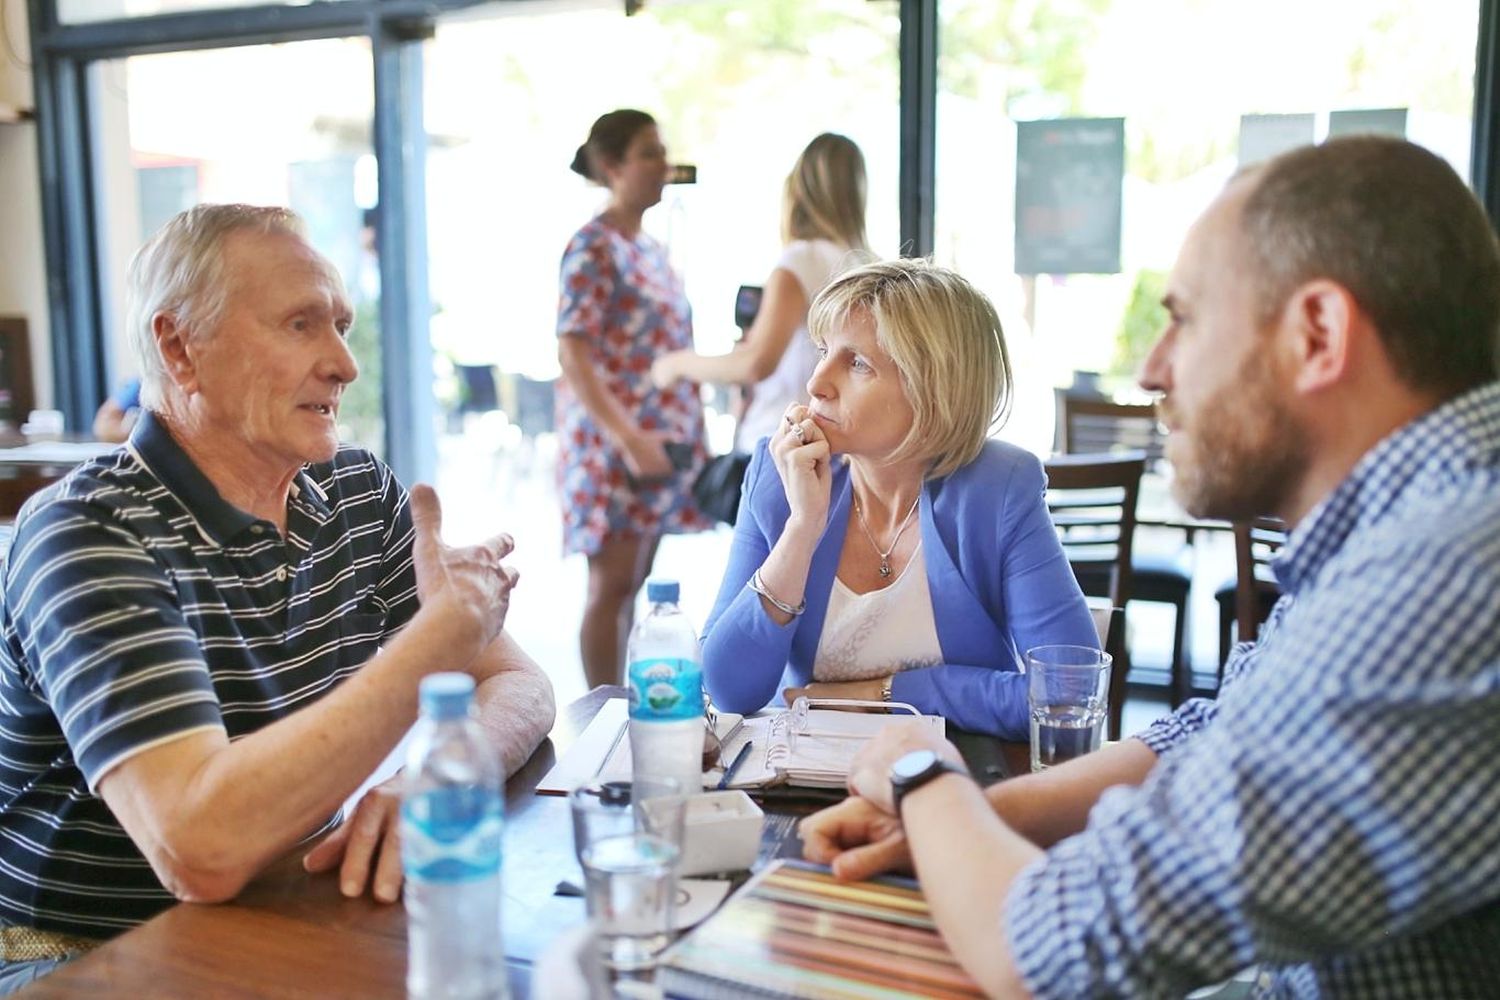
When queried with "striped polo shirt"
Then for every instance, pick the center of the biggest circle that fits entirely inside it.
(139, 606)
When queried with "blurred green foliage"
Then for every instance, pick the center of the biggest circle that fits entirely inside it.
(360, 411)
(1144, 320)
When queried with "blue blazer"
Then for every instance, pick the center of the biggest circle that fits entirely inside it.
(999, 581)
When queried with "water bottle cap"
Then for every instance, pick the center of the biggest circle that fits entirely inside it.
(446, 695)
(662, 591)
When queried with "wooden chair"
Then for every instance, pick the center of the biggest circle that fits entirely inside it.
(1089, 425)
(1246, 601)
(1092, 501)
(1109, 622)
(18, 484)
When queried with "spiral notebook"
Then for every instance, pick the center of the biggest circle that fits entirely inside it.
(810, 745)
(794, 931)
(814, 747)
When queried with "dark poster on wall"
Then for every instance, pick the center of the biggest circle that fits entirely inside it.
(1070, 175)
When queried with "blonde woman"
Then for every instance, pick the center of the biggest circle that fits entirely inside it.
(885, 548)
(823, 231)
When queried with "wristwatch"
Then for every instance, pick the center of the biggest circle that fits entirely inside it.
(913, 770)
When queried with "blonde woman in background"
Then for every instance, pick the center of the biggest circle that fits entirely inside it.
(823, 232)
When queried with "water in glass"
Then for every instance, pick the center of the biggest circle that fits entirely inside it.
(630, 889)
(1061, 732)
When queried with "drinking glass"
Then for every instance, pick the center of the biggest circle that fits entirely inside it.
(1067, 691)
(628, 838)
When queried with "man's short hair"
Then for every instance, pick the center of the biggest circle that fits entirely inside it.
(180, 270)
(1393, 224)
(944, 336)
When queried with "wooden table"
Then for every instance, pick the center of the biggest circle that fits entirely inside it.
(290, 934)
(26, 468)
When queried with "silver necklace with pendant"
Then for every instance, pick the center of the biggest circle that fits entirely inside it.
(885, 557)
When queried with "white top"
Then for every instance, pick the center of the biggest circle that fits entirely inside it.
(814, 263)
(872, 635)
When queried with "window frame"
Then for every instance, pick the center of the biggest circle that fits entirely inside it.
(396, 29)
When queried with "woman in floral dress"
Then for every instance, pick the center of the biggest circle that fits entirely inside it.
(628, 451)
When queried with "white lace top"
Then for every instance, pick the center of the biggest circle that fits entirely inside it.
(871, 635)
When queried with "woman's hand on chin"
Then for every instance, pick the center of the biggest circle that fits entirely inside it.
(803, 461)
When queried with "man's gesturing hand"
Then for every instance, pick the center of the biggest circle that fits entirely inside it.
(468, 583)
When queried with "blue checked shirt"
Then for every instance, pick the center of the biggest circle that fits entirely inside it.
(1335, 815)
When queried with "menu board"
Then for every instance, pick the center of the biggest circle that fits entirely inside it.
(1368, 121)
(1070, 175)
(1265, 136)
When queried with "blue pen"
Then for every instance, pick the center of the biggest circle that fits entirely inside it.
(734, 766)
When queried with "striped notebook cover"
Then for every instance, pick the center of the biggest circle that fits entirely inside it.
(794, 931)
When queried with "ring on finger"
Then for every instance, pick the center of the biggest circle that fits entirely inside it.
(801, 434)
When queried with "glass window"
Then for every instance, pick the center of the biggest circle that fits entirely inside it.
(85, 11)
(739, 90)
(1181, 73)
(167, 142)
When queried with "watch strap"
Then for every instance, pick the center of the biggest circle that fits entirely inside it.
(900, 790)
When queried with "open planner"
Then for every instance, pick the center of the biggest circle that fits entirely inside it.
(810, 745)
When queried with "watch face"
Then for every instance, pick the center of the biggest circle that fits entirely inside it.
(912, 764)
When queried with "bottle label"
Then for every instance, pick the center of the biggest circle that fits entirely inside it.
(665, 690)
(451, 834)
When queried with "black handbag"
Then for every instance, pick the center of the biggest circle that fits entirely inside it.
(717, 488)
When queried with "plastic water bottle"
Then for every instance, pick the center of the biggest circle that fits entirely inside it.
(666, 692)
(451, 821)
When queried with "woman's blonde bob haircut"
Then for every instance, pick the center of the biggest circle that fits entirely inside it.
(825, 193)
(944, 337)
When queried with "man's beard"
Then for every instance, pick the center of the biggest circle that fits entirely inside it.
(1247, 454)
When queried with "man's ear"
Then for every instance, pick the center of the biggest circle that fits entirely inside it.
(1317, 334)
(177, 355)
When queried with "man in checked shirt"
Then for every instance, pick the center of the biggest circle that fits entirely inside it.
(1332, 818)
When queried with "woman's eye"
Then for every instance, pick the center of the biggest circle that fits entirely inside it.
(860, 365)
(822, 351)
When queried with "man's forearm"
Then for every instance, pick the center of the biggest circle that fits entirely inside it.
(966, 859)
(1054, 804)
(516, 703)
(237, 806)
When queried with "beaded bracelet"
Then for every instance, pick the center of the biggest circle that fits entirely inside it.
(759, 586)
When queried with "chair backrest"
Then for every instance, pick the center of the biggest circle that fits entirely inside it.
(480, 394)
(1109, 622)
(1092, 500)
(1092, 426)
(1255, 543)
(535, 403)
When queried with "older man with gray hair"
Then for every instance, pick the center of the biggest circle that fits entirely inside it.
(210, 637)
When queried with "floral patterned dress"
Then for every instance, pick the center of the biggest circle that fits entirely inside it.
(622, 297)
